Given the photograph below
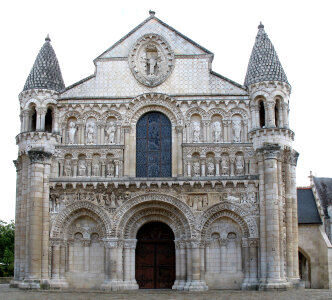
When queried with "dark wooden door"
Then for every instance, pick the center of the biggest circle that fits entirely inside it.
(155, 256)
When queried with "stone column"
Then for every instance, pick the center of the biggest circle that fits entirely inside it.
(245, 131)
(271, 153)
(289, 214)
(116, 162)
(118, 133)
(119, 264)
(188, 265)
(231, 165)
(17, 248)
(196, 283)
(129, 265)
(203, 160)
(253, 246)
(86, 252)
(246, 263)
(222, 244)
(126, 131)
(111, 282)
(189, 167)
(58, 280)
(183, 269)
(217, 165)
(296, 276)
(177, 265)
(41, 112)
(285, 115)
(179, 131)
(55, 116)
(35, 203)
(270, 114)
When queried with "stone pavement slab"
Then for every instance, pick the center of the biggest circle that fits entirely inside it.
(7, 293)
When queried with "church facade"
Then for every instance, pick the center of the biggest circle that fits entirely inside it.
(155, 171)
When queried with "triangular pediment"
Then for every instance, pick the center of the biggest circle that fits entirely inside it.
(180, 44)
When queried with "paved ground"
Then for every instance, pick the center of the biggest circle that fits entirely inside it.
(7, 293)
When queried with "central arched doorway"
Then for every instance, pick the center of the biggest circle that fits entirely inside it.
(155, 256)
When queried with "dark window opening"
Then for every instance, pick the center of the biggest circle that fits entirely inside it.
(33, 124)
(261, 114)
(48, 121)
(276, 114)
(154, 146)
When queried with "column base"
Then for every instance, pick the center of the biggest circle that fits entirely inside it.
(58, 284)
(111, 285)
(275, 284)
(179, 285)
(297, 283)
(129, 285)
(250, 285)
(198, 285)
(29, 284)
(14, 283)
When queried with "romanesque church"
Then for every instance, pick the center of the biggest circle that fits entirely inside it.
(156, 171)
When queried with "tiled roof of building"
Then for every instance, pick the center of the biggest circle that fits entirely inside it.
(324, 189)
(264, 64)
(306, 207)
(45, 73)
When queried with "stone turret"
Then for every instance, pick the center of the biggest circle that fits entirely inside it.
(269, 92)
(36, 142)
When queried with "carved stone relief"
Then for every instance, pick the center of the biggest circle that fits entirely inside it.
(151, 60)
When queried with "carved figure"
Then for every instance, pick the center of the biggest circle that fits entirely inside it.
(90, 132)
(111, 133)
(216, 132)
(237, 131)
(210, 167)
(196, 169)
(95, 168)
(67, 169)
(239, 165)
(82, 168)
(196, 131)
(71, 133)
(224, 166)
(110, 169)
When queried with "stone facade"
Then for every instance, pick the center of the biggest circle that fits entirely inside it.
(230, 198)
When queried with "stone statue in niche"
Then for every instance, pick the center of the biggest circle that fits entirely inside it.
(111, 133)
(95, 168)
(237, 131)
(210, 167)
(196, 169)
(67, 168)
(239, 165)
(224, 166)
(71, 133)
(82, 168)
(216, 132)
(110, 168)
(90, 133)
(196, 126)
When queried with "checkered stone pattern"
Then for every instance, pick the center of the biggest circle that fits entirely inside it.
(153, 25)
(45, 73)
(264, 64)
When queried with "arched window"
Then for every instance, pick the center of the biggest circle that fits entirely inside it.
(48, 120)
(154, 146)
(261, 114)
(33, 120)
(277, 114)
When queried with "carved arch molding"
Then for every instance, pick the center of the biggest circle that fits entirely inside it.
(136, 212)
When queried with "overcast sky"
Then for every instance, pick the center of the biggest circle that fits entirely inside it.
(81, 30)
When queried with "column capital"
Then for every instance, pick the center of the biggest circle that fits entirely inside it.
(38, 156)
(253, 243)
(41, 110)
(222, 242)
(129, 244)
(270, 151)
(294, 157)
(18, 164)
(179, 129)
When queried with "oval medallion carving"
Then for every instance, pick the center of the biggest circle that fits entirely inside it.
(151, 60)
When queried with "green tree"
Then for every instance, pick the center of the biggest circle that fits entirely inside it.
(7, 232)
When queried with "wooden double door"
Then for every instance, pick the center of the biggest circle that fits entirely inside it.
(155, 256)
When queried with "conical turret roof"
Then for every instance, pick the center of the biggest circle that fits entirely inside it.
(264, 64)
(45, 73)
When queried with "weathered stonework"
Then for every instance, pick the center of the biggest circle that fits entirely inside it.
(230, 198)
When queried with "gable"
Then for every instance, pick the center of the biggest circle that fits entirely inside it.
(180, 44)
